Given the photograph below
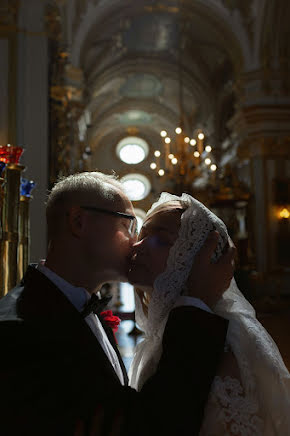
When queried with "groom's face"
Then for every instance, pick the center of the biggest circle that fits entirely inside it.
(107, 239)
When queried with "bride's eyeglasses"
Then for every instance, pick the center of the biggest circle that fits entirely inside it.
(132, 229)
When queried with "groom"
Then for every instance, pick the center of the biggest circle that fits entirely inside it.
(59, 363)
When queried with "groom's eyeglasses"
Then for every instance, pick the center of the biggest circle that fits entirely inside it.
(132, 229)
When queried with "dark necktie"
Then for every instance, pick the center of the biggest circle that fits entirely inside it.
(95, 305)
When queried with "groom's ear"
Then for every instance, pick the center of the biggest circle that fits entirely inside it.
(76, 221)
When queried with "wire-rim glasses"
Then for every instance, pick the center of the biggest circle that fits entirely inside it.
(133, 221)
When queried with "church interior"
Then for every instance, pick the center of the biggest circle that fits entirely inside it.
(171, 95)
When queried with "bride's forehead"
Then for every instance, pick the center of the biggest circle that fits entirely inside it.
(166, 208)
(169, 216)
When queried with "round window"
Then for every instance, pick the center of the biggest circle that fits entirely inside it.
(132, 150)
(136, 186)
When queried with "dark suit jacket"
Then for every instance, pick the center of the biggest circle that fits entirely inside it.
(54, 372)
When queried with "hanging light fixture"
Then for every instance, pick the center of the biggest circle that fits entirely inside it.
(182, 158)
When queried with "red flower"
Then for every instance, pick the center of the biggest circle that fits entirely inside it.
(111, 320)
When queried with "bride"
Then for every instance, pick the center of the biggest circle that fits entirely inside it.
(250, 395)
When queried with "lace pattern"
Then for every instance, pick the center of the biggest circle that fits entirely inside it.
(230, 412)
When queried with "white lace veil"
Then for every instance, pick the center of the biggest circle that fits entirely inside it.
(264, 375)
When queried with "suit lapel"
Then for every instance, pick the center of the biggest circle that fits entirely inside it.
(112, 340)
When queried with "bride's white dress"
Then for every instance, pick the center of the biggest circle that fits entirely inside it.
(250, 395)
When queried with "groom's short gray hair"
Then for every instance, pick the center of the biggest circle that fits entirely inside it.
(90, 187)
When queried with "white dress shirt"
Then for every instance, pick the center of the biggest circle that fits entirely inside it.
(79, 297)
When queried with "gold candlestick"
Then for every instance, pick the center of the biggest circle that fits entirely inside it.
(9, 243)
(24, 236)
(1, 227)
(167, 152)
(1, 207)
(1, 197)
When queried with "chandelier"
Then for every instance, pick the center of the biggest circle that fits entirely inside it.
(182, 158)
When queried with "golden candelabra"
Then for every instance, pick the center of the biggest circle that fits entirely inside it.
(14, 217)
(10, 221)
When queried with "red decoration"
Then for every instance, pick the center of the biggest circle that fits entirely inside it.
(10, 153)
(111, 320)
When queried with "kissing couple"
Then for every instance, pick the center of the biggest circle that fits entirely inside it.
(206, 366)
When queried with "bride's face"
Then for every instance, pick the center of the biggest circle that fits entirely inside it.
(158, 234)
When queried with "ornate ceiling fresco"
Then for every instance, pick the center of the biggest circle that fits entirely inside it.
(135, 117)
(141, 85)
(150, 33)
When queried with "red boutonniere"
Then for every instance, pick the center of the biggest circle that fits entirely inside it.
(112, 321)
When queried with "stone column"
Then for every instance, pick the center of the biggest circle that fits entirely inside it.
(32, 113)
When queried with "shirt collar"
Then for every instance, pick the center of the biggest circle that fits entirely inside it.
(77, 296)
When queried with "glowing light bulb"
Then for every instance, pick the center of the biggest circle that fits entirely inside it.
(284, 213)
(200, 136)
(167, 140)
(174, 161)
(213, 167)
(157, 153)
(186, 139)
(153, 166)
(207, 161)
(192, 142)
(178, 130)
(196, 154)
(163, 133)
(170, 156)
(208, 148)
(161, 172)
